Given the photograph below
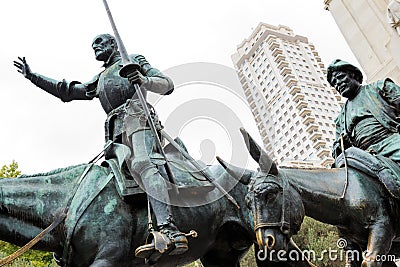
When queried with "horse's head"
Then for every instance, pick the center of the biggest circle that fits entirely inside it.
(276, 206)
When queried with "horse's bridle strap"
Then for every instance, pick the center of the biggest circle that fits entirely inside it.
(276, 224)
(283, 224)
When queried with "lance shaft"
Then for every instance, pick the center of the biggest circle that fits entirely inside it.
(128, 67)
(121, 47)
(199, 168)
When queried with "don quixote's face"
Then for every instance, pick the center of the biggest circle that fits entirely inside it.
(103, 47)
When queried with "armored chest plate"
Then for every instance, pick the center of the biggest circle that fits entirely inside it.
(113, 89)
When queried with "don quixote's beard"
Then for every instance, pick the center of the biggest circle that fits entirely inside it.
(106, 55)
(111, 58)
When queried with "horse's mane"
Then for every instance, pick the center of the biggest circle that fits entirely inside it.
(56, 171)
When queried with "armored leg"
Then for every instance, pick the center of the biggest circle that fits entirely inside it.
(156, 188)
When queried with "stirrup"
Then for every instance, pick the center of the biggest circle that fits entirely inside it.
(160, 242)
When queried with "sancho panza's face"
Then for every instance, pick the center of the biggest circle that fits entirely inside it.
(345, 83)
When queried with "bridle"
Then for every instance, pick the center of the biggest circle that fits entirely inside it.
(283, 223)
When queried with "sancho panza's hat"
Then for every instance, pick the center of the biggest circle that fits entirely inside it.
(339, 64)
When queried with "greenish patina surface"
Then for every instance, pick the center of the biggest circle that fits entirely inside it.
(109, 229)
(362, 208)
(131, 122)
(110, 207)
(102, 228)
(369, 117)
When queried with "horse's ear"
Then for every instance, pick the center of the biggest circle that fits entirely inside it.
(267, 165)
(242, 175)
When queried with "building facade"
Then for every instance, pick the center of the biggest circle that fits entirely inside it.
(284, 81)
(370, 31)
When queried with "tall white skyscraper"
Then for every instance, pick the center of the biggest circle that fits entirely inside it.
(284, 81)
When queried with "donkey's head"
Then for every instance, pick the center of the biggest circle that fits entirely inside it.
(277, 208)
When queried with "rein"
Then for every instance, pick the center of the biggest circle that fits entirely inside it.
(345, 166)
(59, 218)
(302, 253)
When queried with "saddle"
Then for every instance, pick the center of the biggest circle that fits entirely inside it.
(190, 181)
(386, 171)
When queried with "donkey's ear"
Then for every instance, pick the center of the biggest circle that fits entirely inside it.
(242, 175)
(267, 165)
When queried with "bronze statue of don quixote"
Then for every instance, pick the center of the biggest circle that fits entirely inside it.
(121, 212)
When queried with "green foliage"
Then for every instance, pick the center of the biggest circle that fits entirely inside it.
(195, 264)
(10, 171)
(31, 257)
(249, 260)
(320, 238)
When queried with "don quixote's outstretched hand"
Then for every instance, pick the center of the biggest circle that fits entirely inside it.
(23, 67)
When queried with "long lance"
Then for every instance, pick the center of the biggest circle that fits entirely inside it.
(128, 67)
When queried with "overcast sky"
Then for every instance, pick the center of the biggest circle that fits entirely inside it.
(42, 133)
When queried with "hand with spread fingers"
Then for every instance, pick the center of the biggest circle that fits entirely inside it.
(23, 67)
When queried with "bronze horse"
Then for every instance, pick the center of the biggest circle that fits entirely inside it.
(366, 215)
(103, 230)
(106, 232)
